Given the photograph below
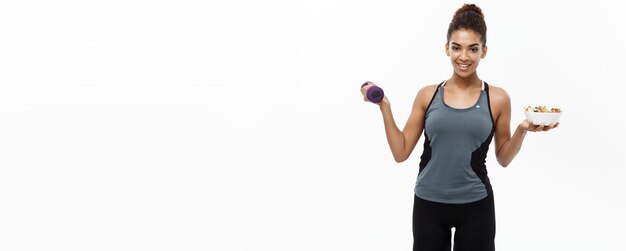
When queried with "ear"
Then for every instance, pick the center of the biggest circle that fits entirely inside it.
(447, 47)
(484, 52)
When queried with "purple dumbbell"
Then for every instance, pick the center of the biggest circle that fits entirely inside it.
(373, 93)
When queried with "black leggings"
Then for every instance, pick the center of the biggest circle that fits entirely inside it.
(475, 225)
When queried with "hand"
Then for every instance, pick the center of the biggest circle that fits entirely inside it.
(363, 91)
(528, 126)
(385, 100)
(382, 103)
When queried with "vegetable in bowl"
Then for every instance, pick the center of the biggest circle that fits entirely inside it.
(543, 115)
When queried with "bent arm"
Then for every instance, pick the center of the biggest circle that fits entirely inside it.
(507, 146)
(510, 148)
(403, 142)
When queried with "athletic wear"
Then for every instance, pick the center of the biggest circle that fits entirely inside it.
(452, 166)
(474, 223)
(452, 188)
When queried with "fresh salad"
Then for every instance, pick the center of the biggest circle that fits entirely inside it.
(542, 109)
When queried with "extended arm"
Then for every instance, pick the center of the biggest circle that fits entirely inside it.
(508, 146)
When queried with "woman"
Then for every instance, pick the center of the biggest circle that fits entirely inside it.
(459, 118)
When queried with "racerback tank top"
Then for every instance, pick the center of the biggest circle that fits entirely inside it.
(452, 165)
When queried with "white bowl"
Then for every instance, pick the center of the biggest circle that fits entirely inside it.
(543, 118)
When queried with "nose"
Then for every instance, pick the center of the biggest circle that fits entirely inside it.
(464, 56)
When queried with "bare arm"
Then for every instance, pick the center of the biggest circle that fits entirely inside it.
(403, 142)
(508, 146)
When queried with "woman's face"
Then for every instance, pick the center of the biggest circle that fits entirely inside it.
(465, 51)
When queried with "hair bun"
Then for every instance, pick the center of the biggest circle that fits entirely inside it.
(468, 8)
(470, 17)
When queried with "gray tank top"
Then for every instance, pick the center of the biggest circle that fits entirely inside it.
(452, 166)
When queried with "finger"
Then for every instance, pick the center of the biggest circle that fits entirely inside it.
(553, 125)
(539, 128)
(542, 128)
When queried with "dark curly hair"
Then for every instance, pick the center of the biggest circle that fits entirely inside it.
(470, 17)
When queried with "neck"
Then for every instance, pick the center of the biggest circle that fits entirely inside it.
(465, 82)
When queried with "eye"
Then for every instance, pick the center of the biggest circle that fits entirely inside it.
(474, 49)
(455, 48)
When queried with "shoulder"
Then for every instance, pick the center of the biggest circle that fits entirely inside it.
(425, 94)
(427, 91)
(498, 96)
(500, 102)
(423, 97)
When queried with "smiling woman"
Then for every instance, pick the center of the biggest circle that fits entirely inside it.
(459, 118)
(467, 40)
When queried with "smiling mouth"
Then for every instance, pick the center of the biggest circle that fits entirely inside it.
(463, 66)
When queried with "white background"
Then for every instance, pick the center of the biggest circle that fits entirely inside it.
(239, 125)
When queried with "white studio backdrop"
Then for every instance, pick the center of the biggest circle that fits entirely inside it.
(192, 125)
